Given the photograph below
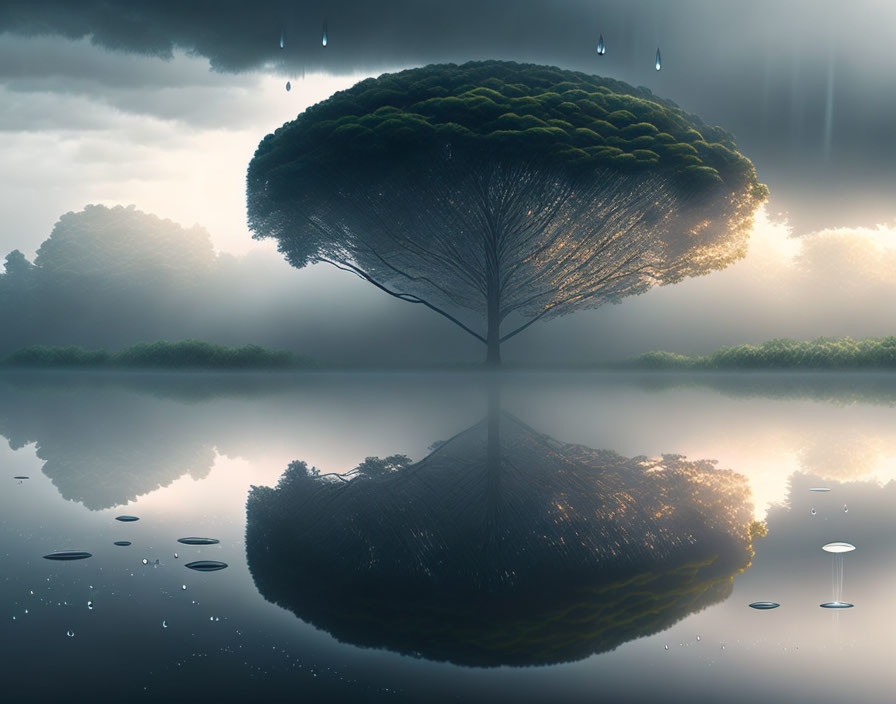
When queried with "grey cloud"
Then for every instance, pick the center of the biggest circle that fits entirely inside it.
(804, 85)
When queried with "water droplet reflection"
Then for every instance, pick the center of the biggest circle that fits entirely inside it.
(68, 555)
(206, 565)
(838, 547)
(198, 541)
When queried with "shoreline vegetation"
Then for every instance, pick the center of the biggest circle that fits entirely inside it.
(186, 354)
(820, 354)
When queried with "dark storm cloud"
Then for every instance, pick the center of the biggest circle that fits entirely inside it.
(805, 86)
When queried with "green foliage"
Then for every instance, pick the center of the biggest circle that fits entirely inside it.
(820, 353)
(494, 108)
(373, 467)
(188, 354)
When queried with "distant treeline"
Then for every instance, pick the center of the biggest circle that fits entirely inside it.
(820, 353)
(187, 354)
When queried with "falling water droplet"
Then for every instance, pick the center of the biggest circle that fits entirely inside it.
(145, 561)
(764, 605)
(845, 508)
(698, 638)
(288, 86)
(90, 605)
(175, 556)
(659, 63)
(323, 40)
(281, 40)
(601, 47)
(183, 587)
(164, 624)
(836, 605)
(70, 633)
(812, 511)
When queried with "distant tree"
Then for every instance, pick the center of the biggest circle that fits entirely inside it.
(123, 245)
(503, 192)
(17, 266)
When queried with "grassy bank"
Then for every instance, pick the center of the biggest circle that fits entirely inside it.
(187, 354)
(820, 353)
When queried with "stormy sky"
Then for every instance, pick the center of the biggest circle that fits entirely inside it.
(162, 104)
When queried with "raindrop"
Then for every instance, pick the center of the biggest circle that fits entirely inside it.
(812, 511)
(323, 40)
(281, 40)
(183, 587)
(845, 508)
(698, 638)
(145, 561)
(836, 605)
(764, 605)
(211, 618)
(659, 63)
(819, 489)
(164, 624)
(122, 543)
(126, 519)
(288, 86)
(206, 565)
(175, 556)
(68, 555)
(666, 647)
(198, 541)
(838, 547)
(601, 47)
(70, 633)
(21, 477)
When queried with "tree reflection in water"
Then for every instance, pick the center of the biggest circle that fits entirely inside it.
(501, 547)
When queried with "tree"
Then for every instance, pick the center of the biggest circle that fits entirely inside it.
(502, 191)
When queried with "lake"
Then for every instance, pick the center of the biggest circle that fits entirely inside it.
(552, 536)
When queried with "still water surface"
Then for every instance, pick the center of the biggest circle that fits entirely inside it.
(183, 452)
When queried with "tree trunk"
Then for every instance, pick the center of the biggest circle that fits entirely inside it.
(493, 462)
(493, 356)
(493, 335)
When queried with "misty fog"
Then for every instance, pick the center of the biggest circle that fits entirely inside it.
(106, 294)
